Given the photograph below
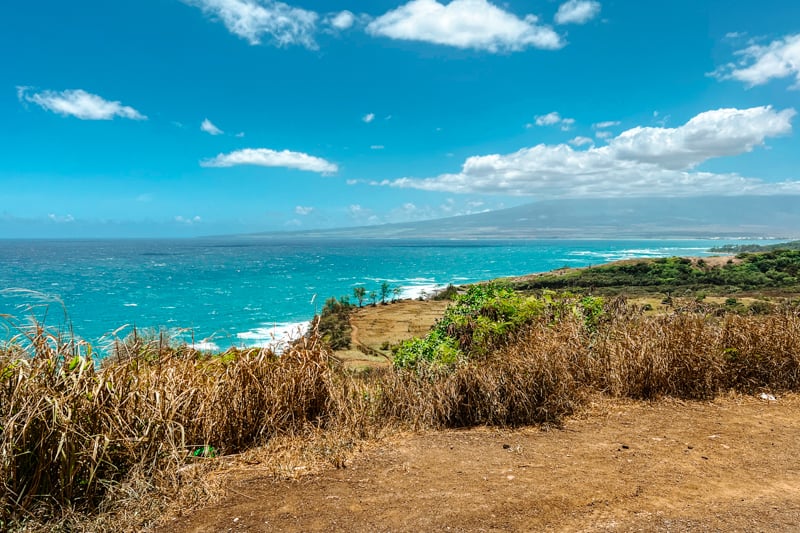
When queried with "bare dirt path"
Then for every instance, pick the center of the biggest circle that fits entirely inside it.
(728, 465)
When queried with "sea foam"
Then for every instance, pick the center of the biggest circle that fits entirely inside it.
(275, 336)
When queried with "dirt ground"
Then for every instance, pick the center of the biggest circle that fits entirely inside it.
(727, 465)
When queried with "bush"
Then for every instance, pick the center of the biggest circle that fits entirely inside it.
(333, 323)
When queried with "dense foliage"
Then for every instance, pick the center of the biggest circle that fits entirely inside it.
(742, 248)
(486, 317)
(777, 269)
(334, 323)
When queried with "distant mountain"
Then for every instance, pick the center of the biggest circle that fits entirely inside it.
(708, 216)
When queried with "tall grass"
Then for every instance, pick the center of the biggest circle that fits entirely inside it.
(74, 431)
(71, 428)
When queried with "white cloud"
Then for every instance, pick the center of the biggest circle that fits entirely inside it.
(409, 211)
(548, 119)
(78, 103)
(475, 24)
(638, 162)
(603, 134)
(254, 19)
(240, 135)
(761, 63)
(717, 133)
(342, 20)
(362, 215)
(369, 117)
(66, 219)
(338, 22)
(552, 119)
(377, 147)
(302, 210)
(271, 158)
(577, 11)
(606, 124)
(581, 141)
(208, 127)
(735, 35)
(187, 220)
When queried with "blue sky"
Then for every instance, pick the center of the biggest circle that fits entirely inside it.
(198, 117)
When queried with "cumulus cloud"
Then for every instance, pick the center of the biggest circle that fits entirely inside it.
(581, 141)
(78, 103)
(717, 133)
(761, 63)
(638, 162)
(475, 24)
(253, 20)
(271, 158)
(302, 210)
(548, 119)
(209, 127)
(577, 11)
(553, 119)
(342, 20)
(369, 117)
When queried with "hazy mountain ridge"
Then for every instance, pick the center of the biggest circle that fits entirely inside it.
(709, 216)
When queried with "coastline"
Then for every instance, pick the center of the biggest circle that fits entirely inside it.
(222, 293)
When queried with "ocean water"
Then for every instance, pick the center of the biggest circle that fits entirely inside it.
(220, 292)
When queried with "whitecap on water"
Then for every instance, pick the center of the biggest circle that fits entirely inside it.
(422, 290)
(205, 346)
(275, 336)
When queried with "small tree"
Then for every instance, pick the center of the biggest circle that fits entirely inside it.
(373, 296)
(396, 293)
(385, 290)
(360, 293)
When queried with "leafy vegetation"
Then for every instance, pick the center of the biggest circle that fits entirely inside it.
(448, 293)
(742, 248)
(485, 318)
(333, 323)
(772, 270)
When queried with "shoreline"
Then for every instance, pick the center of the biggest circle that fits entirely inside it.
(216, 324)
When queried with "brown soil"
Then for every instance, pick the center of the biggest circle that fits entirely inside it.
(726, 465)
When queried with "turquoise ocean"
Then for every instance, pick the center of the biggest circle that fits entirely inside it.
(220, 292)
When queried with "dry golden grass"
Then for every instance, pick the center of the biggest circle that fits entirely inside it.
(106, 447)
(73, 432)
